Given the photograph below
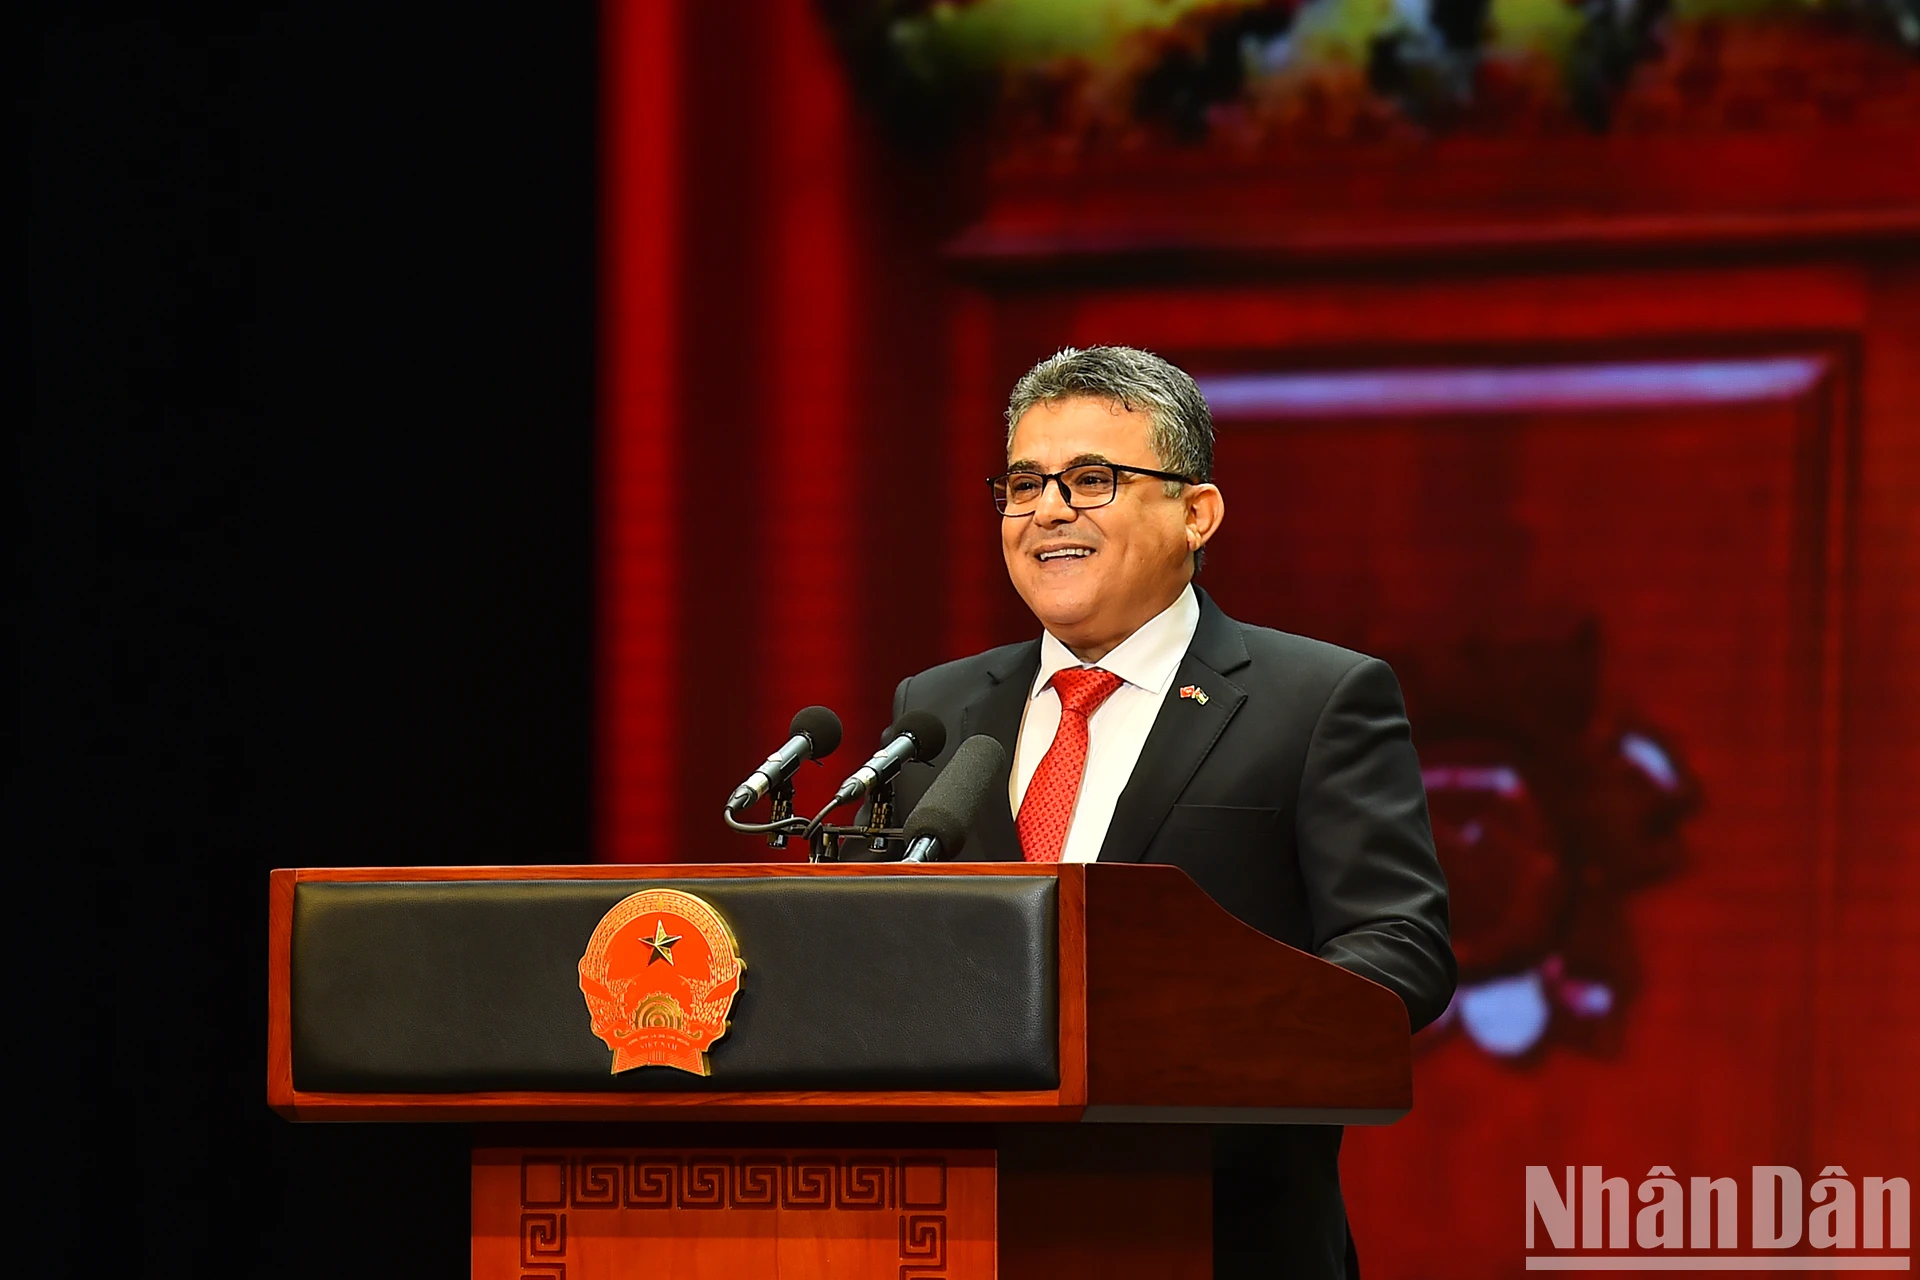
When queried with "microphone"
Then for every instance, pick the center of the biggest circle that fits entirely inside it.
(940, 822)
(918, 735)
(816, 732)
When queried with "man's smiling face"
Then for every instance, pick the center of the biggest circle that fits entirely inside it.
(1094, 577)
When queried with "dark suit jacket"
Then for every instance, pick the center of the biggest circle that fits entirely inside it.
(1293, 797)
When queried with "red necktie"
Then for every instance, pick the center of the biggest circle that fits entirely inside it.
(1046, 811)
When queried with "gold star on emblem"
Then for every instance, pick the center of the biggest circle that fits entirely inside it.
(661, 943)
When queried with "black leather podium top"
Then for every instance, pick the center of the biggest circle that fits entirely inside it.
(871, 982)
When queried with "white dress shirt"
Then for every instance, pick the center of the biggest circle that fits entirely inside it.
(1146, 661)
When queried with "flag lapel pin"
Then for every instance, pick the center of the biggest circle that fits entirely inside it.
(1195, 692)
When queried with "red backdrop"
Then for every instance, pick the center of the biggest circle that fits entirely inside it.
(1702, 486)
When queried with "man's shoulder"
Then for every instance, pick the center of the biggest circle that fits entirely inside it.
(1265, 644)
(1291, 679)
(964, 675)
(1299, 662)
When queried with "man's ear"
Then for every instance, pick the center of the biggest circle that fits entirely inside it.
(1206, 508)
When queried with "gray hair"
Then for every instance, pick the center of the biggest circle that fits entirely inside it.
(1182, 431)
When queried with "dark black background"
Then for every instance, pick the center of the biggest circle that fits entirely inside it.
(302, 535)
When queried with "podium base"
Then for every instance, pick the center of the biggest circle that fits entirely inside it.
(1028, 1201)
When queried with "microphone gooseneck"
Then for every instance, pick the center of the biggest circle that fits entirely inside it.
(917, 735)
(815, 734)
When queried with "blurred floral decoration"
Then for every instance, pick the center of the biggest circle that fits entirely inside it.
(1550, 809)
(1127, 73)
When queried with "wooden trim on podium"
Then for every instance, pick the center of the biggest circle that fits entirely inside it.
(280, 1092)
(1070, 936)
(668, 1108)
(1226, 1021)
(668, 871)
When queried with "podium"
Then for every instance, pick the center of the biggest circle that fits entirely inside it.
(949, 1071)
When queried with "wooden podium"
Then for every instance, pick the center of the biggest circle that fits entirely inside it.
(955, 1071)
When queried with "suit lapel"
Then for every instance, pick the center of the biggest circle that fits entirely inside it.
(1182, 734)
(997, 712)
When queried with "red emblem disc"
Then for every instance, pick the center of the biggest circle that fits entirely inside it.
(659, 976)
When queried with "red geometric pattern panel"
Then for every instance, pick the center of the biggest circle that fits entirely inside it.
(582, 1214)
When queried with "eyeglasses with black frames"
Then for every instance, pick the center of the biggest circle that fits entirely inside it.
(1090, 485)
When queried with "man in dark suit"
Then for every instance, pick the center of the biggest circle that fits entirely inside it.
(1144, 725)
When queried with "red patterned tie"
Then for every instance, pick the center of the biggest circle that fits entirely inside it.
(1046, 811)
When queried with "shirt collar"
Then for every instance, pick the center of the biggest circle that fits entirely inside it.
(1146, 659)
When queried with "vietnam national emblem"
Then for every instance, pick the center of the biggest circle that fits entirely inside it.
(659, 975)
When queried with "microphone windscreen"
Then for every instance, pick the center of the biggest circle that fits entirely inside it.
(948, 810)
(928, 733)
(822, 728)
